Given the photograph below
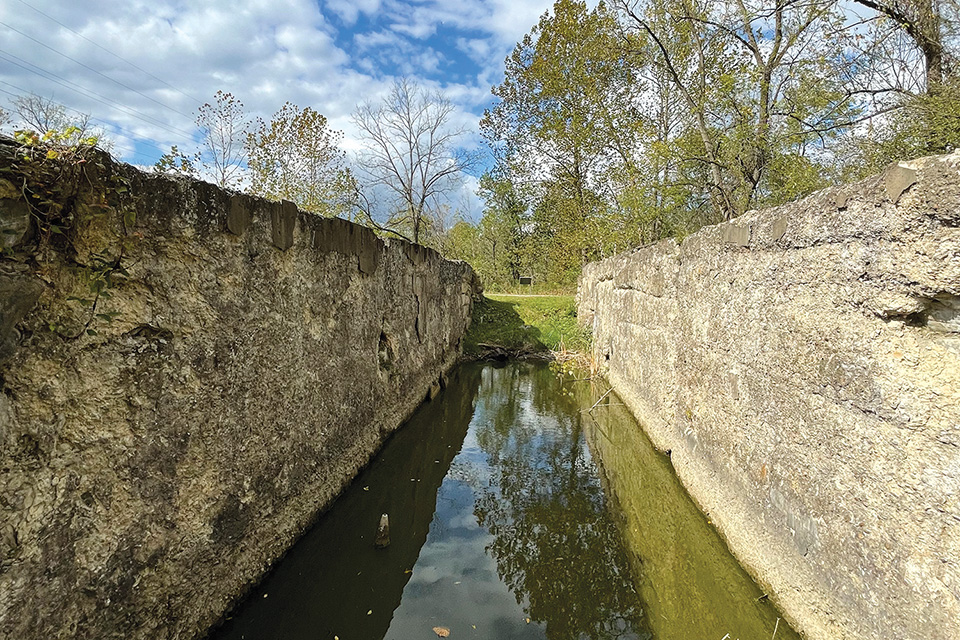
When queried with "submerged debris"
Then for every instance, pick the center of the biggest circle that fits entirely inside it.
(383, 533)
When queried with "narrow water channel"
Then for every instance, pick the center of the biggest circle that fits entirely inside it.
(515, 513)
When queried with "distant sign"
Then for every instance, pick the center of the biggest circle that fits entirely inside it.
(526, 280)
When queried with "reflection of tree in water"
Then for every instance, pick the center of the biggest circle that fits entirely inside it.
(555, 545)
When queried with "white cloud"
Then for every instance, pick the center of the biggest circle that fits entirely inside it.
(350, 10)
(478, 49)
(415, 29)
(173, 55)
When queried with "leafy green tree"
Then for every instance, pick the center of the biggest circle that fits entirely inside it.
(175, 161)
(503, 230)
(297, 157)
(622, 126)
(462, 243)
(760, 81)
(921, 125)
(908, 49)
(564, 125)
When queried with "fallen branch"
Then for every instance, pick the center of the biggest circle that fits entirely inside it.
(600, 400)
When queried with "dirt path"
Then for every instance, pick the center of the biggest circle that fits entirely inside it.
(529, 295)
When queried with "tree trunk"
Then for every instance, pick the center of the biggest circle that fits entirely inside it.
(919, 19)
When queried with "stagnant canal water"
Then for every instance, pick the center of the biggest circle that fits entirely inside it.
(515, 512)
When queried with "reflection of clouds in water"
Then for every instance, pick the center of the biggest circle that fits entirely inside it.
(464, 520)
(471, 473)
(470, 444)
(427, 574)
(453, 561)
(455, 582)
(520, 529)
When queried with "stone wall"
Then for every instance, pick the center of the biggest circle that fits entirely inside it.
(802, 366)
(243, 363)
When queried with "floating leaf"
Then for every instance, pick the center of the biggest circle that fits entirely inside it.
(441, 632)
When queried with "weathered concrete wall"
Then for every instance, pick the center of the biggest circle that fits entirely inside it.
(802, 365)
(152, 470)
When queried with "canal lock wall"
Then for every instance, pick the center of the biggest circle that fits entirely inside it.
(243, 360)
(801, 365)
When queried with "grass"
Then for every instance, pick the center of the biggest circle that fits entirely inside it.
(525, 325)
(539, 289)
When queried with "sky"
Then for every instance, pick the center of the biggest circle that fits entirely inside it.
(141, 68)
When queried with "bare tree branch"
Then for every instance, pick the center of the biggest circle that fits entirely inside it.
(410, 150)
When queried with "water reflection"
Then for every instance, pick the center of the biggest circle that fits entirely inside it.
(504, 526)
(555, 544)
(690, 584)
(329, 581)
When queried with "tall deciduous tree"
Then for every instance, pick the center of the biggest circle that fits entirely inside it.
(760, 80)
(566, 124)
(907, 50)
(658, 117)
(503, 228)
(223, 128)
(297, 157)
(411, 151)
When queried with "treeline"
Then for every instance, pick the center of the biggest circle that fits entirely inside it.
(645, 119)
(613, 127)
(409, 162)
(399, 182)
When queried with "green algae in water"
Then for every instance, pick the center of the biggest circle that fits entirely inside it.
(506, 523)
(690, 584)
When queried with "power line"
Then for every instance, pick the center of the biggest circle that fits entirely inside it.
(9, 93)
(118, 57)
(60, 53)
(72, 86)
(150, 120)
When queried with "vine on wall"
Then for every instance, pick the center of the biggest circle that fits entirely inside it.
(68, 188)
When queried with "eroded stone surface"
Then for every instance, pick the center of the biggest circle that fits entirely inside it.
(19, 292)
(808, 388)
(150, 472)
(14, 221)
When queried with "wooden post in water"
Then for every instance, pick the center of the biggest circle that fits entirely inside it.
(383, 533)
